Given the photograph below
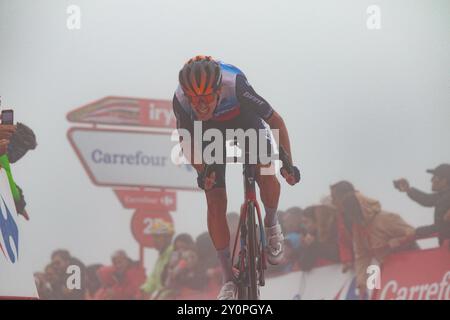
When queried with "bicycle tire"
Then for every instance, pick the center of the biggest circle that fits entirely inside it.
(253, 291)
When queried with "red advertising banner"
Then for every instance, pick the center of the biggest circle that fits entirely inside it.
(126, 111)
(416, 275)
(145, 223)
(147, 200)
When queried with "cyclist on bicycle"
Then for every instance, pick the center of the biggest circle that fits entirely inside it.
(220, 96)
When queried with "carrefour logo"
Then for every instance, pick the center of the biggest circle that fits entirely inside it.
(9, 233)
(138, 158)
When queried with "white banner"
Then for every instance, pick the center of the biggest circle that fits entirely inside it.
(322, 283)
(16, 271)
(131, 158)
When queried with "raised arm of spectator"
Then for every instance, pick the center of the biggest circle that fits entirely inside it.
(424, 199)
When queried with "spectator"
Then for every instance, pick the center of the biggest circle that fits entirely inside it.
(344, 224)
(92, 281)
(209, 263)
(107, 280)
(129, 275)
(18, 140)
(6, 131)
(293, 220)
(375, 233)
(321, 239)
(282, 215)
(293, 241)
(42, 286)
(48, 283)
(162, 237)
(184, 270)
(439, 199)
(183, 242)
(290, 221)
(22, 140)
(61, 260)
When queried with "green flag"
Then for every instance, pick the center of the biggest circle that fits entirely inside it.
(4, 163)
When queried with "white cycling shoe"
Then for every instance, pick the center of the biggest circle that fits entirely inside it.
(228, 291)
(275, 244)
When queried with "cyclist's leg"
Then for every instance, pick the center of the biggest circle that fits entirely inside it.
(216, 198)
(218, 229)
(269, 191)
(269, 187)
(220, 233)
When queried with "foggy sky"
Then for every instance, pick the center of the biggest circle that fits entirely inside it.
(364, 105)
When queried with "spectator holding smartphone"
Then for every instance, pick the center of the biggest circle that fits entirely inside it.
(439, 200)
(15, 142)
(6, 131)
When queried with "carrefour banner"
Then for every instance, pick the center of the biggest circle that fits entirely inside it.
(16, 272)
(416, 275)
(409, 275)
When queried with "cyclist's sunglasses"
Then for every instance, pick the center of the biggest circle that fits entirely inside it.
(206, 99)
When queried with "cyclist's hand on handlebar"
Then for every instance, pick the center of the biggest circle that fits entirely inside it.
(206, 179)
(210, 181)
(447, 216)
(290, 174)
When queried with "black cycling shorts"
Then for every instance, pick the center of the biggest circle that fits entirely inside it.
(245, 120)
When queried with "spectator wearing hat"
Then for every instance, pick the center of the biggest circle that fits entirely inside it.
(439, 200)
(162, 233)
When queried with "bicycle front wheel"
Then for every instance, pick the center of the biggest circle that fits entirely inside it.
(252, 253)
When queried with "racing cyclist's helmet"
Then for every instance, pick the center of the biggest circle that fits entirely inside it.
(200, 76)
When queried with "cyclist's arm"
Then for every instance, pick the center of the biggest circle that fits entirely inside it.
(277, 122)
(248, 98)
(184, 122)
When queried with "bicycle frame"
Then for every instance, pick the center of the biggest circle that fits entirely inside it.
(252, 256)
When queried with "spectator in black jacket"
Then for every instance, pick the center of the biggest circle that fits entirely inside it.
(439, 199)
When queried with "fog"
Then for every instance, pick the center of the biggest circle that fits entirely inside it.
(364, 105)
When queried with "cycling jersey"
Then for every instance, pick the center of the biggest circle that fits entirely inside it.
(239, 107)
(236, 94)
